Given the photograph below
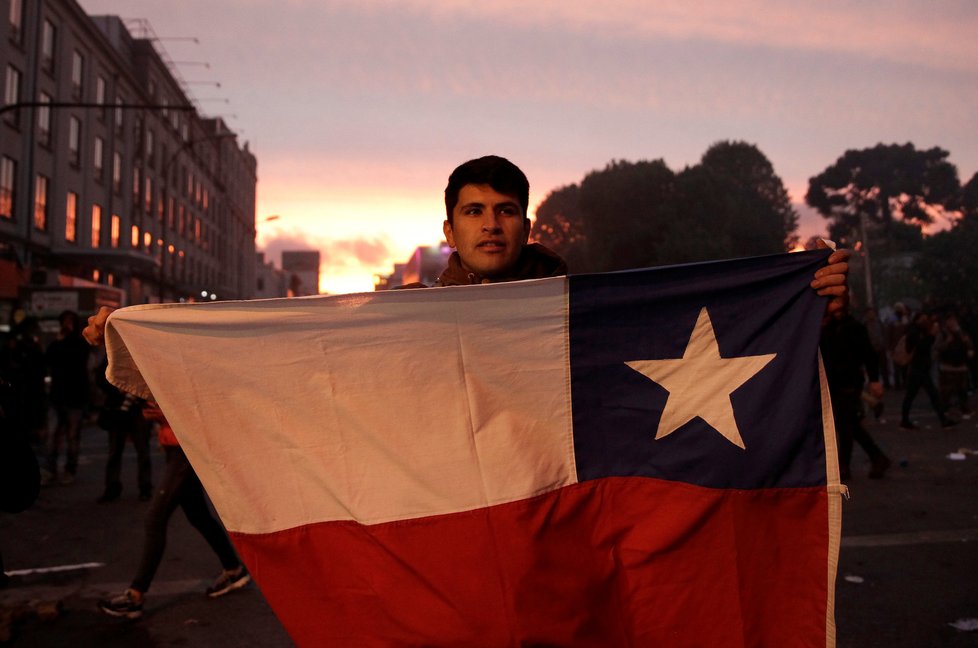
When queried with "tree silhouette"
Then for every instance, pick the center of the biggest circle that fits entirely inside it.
(947, 263)
(883, 184)
(559, 225)
(640, 214)
(627, 207)
(763, 197)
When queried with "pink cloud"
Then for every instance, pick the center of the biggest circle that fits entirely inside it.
(939, 34)
(362, 251)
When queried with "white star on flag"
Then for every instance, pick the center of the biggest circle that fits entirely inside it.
(700, 383)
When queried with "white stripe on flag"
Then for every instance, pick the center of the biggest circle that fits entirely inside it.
(307, 410)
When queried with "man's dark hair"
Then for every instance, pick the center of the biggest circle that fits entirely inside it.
(497, 172)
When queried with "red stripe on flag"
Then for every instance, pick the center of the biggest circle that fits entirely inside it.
(611, 562)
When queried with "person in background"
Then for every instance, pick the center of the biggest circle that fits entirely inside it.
(877, 338)
(23, 368)
(20, 475)
(954, 352)
(896, 328)
(179, 487)
(122, 418)
(67, 360)
(850, 359)
(921, 335)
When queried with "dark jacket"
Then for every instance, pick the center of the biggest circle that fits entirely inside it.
(67, 360)
(535, 262)
(846, 352)
(20, 476)
(920, 343)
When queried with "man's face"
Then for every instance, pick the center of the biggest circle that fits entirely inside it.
(489, 230)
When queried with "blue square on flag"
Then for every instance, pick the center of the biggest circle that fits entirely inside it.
(700, 373)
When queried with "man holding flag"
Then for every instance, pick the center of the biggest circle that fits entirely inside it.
(643, 458)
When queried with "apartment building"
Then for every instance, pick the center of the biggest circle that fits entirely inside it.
(109, 173)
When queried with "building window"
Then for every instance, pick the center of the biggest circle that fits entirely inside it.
(117, 173)
(44, 121)
(181, 219)
(17, 21)
(135, 236)
(119, 123)
(71, 217)
(137, 134)
(49, 34)
(148, 242)
(96, 225)
(77, 74)
(100, 96)
(98, 160)
(169, 213)
(11, 93)
(8, 184)
(116, 230)
(41, 203)
(135, 186)
(150, 147)
(74, 140)
(148, 195)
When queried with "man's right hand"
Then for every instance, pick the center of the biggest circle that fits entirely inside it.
(94, 333)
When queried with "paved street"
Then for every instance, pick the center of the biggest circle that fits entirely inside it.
(912, 538)
(907, 570)
(66, 527)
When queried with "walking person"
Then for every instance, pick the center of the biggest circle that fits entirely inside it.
(954, 351)
(67, 359)
(896, 328)
(850, 359)
(920, 338)
(179, 487)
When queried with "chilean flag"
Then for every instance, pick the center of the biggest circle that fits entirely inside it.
(642, 458)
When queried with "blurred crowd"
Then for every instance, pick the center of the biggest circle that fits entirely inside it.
(53, 385)
(929, 351)
(52, 389)
(938, 339)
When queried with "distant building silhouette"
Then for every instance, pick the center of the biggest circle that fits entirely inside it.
(269, 280)
(425, 265)
(302, 268)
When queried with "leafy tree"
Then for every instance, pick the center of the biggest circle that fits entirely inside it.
(559, 225)
(947, 264)
(762, 195)
(883, 184)
(639, 214)
(627, 208)
(967, 202)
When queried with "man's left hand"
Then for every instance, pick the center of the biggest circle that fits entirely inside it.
(832, 279)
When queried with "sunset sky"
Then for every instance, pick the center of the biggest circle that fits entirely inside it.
(357, 110)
